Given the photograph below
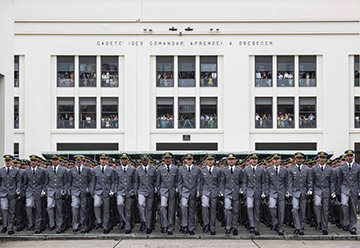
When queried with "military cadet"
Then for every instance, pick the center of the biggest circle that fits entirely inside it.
(102, 188)
(10, 183)
(299, 187)
(210, 183)
(254, 189)
(146, 190)
(276, 188)
(80, 178)
(323, 179)
(20, 214)
(167, 179)
(34, 182)
(349, 181)
(189, 178)
(56, 186)
(230, 187)
(125, 181)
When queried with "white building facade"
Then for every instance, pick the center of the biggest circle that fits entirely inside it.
(182, 75)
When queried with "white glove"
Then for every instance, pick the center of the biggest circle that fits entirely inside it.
(309, 192)
(263, 195)
(287, 194)
(111, 193)
(176, 190)
(221, 194)
(87, 190)
(62, 192)
(42, 193)
(333, 195)
(155, 189)
(131, 192)
(241, 191)
(197, 194)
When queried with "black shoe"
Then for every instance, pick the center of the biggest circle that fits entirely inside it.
(191, 233)
(213, 233)
(184, 229)
(37, 232)
(317, 227)
(4, 230)
(122, 225)
(163, 230)
(281, 233)
(353, 232)
(97, 226)
(223, 224)
(252, 230)
(170, 233)
(148, 231)
(11, 232)
(75, 230)
(346, 228)
(127, 231)
(325, 232)
(29, 228)
(206, 228)
(106, 231)
(257, 233)
(83, 231)
(59, 231)
(19, 228)
(227, 231)
(142, 227)
(301, 232)
(235, 232)
(297, 231)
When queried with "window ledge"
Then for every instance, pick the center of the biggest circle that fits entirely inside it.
(354, 131)
(287, 131)
(186, 131)
(87, 131)
(20, 131)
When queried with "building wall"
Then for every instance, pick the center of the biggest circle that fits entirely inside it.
(281, 27)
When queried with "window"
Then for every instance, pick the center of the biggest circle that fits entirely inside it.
(109, 112)
(285, 71)
(208, 71)
(263, 71)
(208, 112)
(65, 71)
(288, 146)
(187, 112)
(16, 112)
(109, 71)
(285, 108)
(87, 112)
(16, 71)
(87, 71)
(357, 112)
(165, 71)
(165, 112)
(16, 150)
(65, 107)
(87, 147)
(186, 71)
(357, 70)
(307, 112)
(263, 115)
(307, 73)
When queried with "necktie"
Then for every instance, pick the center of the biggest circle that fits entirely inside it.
(349, 167)
(299, 169)
(189, 169)
(253, 169)
(168, 168)
(124, 170)
(102, 170)
(145, 170)
(54, 170)
(33, 171)
(8, 170)
(210, 171)
(322, 168)
(79, 170)
(277, 171)
(232, 170)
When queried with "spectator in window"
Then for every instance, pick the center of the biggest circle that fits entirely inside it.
(258, 75)
(210, 83)
(257, 120)
(88, 121)
(71, 121)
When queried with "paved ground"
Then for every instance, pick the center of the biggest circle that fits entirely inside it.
(266, 234)
(166, 243)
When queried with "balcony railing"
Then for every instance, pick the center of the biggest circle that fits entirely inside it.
(208, 124)
(285, 123)
(186, 123)
(109, 82)
(187, 82)
(263, 124)
(87, 124)
(91, 82)
(263, 82)
(289, 82)
(65, 124)
(165, 82)
(66, 82)
(307, 82)
(164, 124)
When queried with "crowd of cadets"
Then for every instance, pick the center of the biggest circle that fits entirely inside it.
(86, 194)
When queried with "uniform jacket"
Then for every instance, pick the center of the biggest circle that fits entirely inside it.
(146, 182)
(79, 184)
(231, 183)
(323, 181)
(349, 181)
(276, 184)
(102, 183)
(188, 182)
(125, 182)
(167, 181)
(56, 184)
(210, 184)
(9, 183)
(254, 183)
(299, 182)
(34, 183)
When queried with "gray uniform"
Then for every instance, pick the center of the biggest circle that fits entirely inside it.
(299, 183)
(10, 183)
(324, 185)
(34, 183)
(166, 184)
(101, 185)
(230, 187)
(276, 188)
(349, 181)
(125, 182)
(145, 188)
(209, 191)
(79, 188)
(254, 186)
(56, 185)
(187, 186)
